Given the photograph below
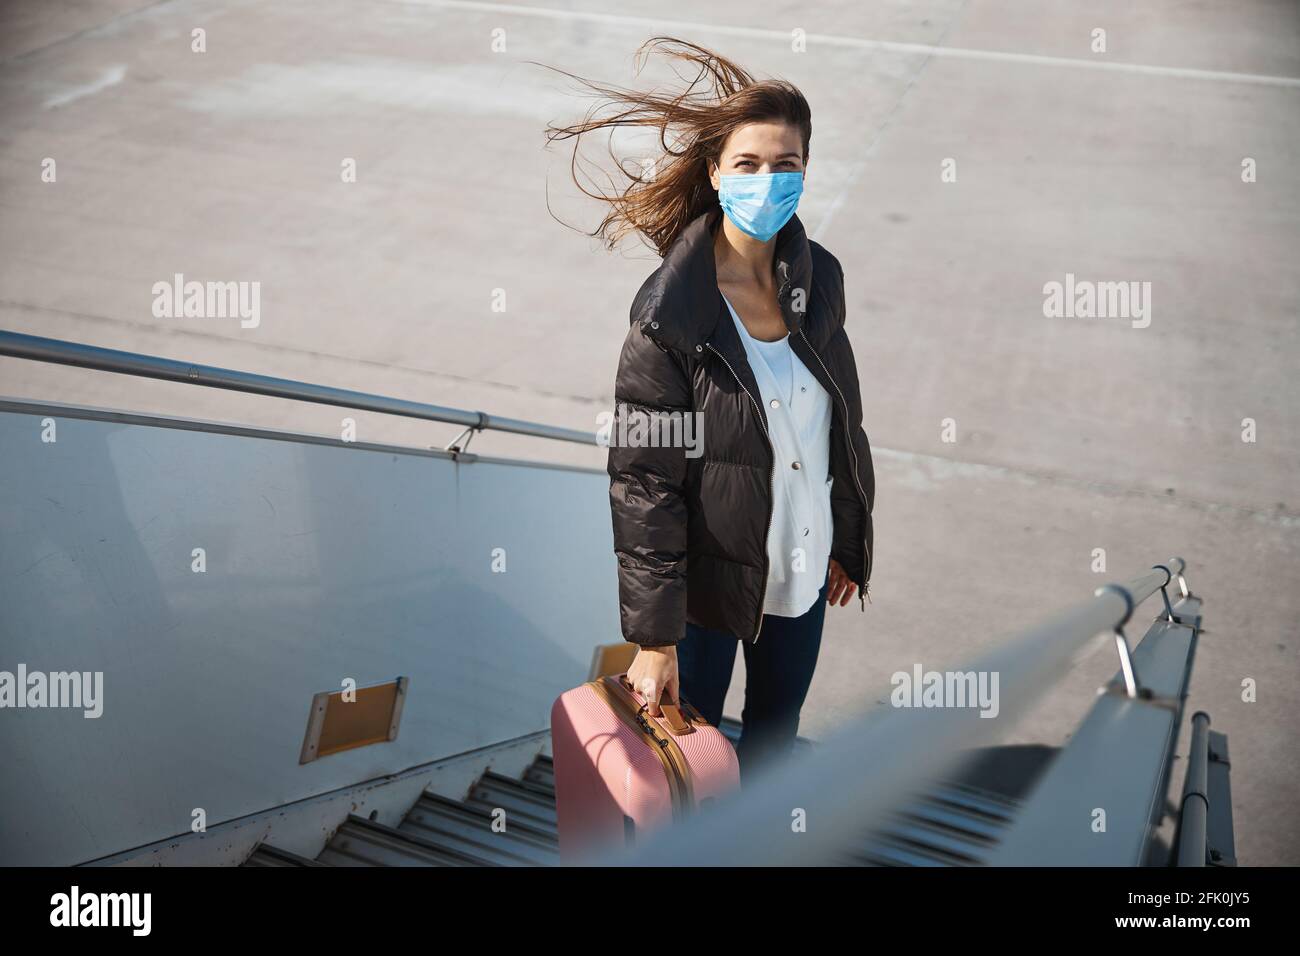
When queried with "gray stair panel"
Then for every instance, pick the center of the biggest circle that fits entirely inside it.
(939, 814)
(883, 851)
(267, 855)
(951, 824)
(471, 832)
(472, 814)
(541, 776)
(989, 804)
(492, 792)
(937, 840)
(360, 842)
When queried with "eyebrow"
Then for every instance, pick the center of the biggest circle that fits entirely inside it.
(753, 156)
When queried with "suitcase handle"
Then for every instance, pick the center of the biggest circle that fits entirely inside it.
(670, 709)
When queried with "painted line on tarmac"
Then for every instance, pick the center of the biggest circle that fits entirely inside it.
(860, 43)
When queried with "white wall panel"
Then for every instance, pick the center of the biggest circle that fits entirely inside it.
(324, 561)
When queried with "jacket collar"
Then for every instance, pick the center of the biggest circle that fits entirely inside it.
(680, 305)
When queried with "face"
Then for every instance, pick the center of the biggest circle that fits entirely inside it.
(759, 148)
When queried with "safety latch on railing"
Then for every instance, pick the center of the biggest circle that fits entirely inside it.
(1132, 683)
(460, 444)
(1164, 590)
(1170, 574)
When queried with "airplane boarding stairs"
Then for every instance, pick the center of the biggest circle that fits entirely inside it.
(952, 824)
(221, 600)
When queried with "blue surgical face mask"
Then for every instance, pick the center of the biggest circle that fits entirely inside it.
(759, 204)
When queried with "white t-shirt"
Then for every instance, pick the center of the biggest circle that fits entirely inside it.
(780, 362)
(799, 427)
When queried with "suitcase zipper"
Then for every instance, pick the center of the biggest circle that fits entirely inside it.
(678, 772)
(848, 440)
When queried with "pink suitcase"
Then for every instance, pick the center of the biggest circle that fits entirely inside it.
(620, 772)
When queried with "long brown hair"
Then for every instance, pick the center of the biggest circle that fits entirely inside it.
(693, 126)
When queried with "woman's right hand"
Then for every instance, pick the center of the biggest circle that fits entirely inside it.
(654, 669)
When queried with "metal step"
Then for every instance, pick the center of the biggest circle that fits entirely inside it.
(361, 842)
(527, 803)
(438, 831)
(884, 850)
(457, 826)
(541, 773)
(951, 824)
(544, 793)
(940, 842)
(975, 825)
(267, 855)
(991, 805)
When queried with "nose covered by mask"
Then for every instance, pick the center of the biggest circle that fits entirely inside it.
(759, 204)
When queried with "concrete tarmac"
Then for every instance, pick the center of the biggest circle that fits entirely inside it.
(1009, 445)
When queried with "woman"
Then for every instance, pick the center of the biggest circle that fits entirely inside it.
(747, 538)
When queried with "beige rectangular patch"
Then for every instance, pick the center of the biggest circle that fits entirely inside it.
(612, 659)
(335, 724)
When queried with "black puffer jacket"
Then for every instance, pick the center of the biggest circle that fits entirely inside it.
(691, 532)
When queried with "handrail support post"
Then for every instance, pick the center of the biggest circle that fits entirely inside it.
(1164, 588)
(1131, 686)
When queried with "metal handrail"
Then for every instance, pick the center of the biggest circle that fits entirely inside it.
(1192, 822)
(59, 352)
(849, 784)
(1113, 774)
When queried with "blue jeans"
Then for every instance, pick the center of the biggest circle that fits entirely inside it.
(778, 670)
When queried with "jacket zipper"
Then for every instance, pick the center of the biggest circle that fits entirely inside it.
(848, 440)
(771, 489)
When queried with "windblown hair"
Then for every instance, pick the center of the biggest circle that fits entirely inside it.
(661, 197)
